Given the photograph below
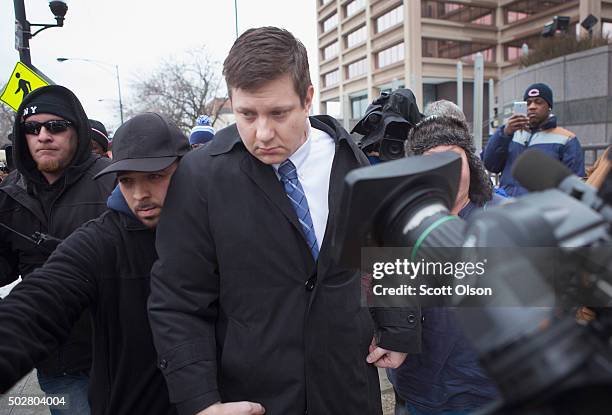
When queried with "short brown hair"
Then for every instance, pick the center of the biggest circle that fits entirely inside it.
(265, 54)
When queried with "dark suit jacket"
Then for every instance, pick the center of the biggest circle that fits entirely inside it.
(240, 310)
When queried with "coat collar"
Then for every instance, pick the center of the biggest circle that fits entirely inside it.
(228, 140)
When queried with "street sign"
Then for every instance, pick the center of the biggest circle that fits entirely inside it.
(23, 81)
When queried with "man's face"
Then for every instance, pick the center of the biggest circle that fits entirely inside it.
(271, 119)
(145, 192)
(537, 111)
(96, 148)
(52, 152)
(464, 181)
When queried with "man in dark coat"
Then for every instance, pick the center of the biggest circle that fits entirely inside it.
(48, 196)
(104, 266)
(249, 312)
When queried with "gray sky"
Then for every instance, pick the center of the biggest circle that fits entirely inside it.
(136, 35)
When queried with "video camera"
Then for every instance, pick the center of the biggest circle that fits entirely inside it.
(387, 122)
(543, 361)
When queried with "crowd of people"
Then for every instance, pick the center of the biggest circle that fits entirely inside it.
(166, 274)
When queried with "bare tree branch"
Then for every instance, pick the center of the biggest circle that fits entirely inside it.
(181, 89)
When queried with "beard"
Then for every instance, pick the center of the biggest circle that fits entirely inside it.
(52, 165)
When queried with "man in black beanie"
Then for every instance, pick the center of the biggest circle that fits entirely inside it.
(538, 129)
(48, 196)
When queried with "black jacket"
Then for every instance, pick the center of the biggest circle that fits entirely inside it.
(104, 266)
(76, 198)
(240, 310)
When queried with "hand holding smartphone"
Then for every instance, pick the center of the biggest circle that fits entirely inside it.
(518, 120)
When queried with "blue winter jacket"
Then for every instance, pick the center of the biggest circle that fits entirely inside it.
(503, 150)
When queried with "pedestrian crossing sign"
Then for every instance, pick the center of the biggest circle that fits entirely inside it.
(23, 81)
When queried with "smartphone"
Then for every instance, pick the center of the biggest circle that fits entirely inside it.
(520, 107)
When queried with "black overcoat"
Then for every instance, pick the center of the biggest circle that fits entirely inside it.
(240, 310)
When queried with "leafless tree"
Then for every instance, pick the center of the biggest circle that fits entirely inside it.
(181, 89)
(7, 116)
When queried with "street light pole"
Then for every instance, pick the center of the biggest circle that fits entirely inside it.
(119, 91)
(23, 28)
(107, 64)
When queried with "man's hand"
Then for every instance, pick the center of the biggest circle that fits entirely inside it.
(234, 408)
(515, 123)
(384, 358)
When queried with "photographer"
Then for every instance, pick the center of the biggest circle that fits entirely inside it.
(536, 129)
(446, 376)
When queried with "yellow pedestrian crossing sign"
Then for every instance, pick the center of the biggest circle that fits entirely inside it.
(23, 81)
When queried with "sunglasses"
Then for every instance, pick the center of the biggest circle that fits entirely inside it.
(53, 126)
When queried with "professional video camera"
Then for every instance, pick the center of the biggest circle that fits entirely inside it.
(543, 361)
(387, 122)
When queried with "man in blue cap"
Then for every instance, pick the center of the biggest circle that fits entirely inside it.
(538, 129)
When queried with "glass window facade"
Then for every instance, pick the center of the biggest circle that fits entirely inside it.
(390, 55)
(331, 78)
(356, 37)
(390, 19)
(330, 22)
(330, 51)
(354, 6)
(357, 68)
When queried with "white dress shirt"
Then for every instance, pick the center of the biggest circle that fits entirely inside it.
(313, 162)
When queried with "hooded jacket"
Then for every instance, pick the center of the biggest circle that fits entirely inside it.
(103, 266)
(502, 151)
(26, 207)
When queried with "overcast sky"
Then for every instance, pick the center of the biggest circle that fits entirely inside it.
(136, 35)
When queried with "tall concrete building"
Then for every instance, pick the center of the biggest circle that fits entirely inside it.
(367, 46)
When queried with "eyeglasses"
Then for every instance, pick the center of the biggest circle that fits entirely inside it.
(53, 126)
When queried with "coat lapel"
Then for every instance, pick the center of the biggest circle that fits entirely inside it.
(263, 176)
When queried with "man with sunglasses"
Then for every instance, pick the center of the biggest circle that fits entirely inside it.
(49, 195)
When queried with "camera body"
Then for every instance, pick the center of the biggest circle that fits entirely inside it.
(387, 122)
(543, 361)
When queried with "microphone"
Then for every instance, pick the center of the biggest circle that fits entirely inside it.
(536, 171)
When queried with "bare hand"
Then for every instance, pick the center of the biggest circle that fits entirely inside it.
(515, 123)
(234, 408)
(585, 314)
(384, 358)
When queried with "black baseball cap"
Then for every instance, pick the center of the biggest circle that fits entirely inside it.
(146, 143)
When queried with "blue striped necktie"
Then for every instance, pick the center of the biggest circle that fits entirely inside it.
(295, 193)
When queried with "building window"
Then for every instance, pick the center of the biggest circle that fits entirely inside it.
(358, 106)
(354, 6)
(330, 51)
(486, 20)
(456, 12)
(390, 19)
(512, 16)
(324, 2)
(356, 37)
(513, 53)
(332, 78)
(330, 22)
(357, 68)
(452, 49)
(390, 55)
